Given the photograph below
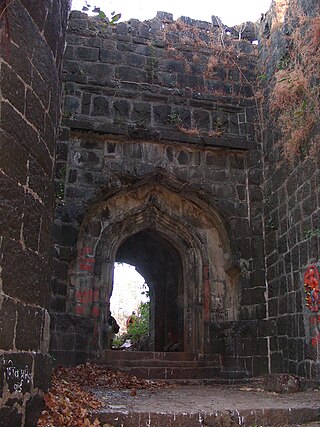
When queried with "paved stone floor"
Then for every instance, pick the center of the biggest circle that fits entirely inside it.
(224, 406)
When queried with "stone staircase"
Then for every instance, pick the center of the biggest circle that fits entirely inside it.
(173, 367)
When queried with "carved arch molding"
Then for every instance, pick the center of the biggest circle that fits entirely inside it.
(194, 234)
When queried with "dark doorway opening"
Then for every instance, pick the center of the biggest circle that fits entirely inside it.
(159, 262)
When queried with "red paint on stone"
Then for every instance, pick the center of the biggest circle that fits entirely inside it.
(312, 288)
(86, 260)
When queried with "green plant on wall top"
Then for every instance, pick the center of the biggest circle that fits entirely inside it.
(98, 13)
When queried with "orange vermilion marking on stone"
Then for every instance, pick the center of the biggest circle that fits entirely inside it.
(312, 288)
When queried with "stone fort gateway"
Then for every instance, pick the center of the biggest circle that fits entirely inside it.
(185, 148)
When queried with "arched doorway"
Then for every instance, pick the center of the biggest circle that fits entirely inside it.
(181, 247)
(159, 262)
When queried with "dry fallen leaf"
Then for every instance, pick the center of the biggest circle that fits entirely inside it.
(69, 401)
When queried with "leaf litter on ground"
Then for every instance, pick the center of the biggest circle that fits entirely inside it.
(70, 402)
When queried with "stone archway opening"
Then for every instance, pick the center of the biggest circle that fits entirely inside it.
(130, 297)
(179, 245)
(159, 262)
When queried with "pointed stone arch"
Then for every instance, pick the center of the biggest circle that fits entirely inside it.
(195, 231)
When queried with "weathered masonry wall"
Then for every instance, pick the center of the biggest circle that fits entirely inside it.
(32, 42)
(159, 129)
(291, 191)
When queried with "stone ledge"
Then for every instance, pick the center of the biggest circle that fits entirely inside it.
(159, 134)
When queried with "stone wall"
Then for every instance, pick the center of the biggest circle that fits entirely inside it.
(32, 42)
(291, 194)
(160, 108)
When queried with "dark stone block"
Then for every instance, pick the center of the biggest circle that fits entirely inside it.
(23, 32)
(273, 307)
(11, 208)
(13, 89)
(111, 56)
(58, 287)
(86, 53)
(134, 60)
(16, 371)
(260, 346)
(69, 52)
(121, 110)
(62, 323)
(37, 10)
(72, 176)
(78, 193)
(48, 136)
(173, 66)
(260, 365)
(72, 212)
(190, 81)
(84, 326)
(183, 158)
(260, 311)
(141, 113)
(58, 304)
(11, 149)
(10, 417)
(164, 17)
(86, 104)
(201, 119)
(244, 245)
(162, 114)
(24, 273)
(183, 116)
(169, 154)
(71, 104)
(81, 342)
(62, 152)
(165, 79)
(29, 327)
(98, 73)
(266, 328)
(258, 295)
(67, 342)
(219, 160)
(18, 128)
(52, 28)
(100, 106)
(68, 235)
(144, 31)
(282, 328)
(34, 407)
(122, 28)
(32, 222)
(54, 341)
(130, 74)
(7, 323)
(274, 344)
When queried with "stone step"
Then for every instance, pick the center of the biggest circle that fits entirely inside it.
(275, 417)
(163, 373)
(157, 363)
(145, 355)
(208, 381)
